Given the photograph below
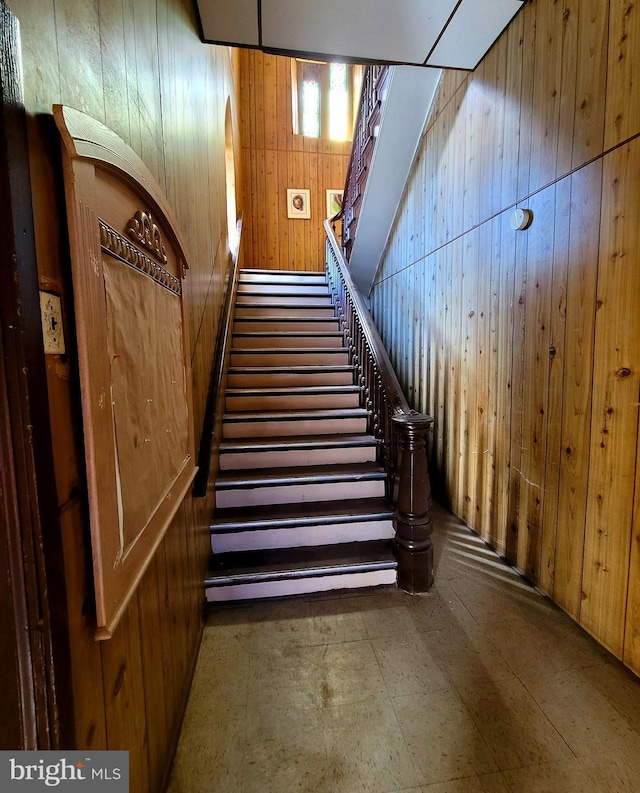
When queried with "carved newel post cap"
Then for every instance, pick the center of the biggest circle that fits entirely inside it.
(413, 423)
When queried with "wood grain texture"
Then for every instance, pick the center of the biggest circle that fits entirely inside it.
(274, 159)
(614, 407)
(141, 69)
(623, 86)
(547, 471)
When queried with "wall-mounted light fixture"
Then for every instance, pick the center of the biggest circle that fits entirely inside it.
(521, 219)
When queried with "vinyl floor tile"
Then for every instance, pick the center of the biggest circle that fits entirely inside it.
(285, 750)
(513, 725)
(408, 665)
(366, 749)
(443, 740)
(587, 722)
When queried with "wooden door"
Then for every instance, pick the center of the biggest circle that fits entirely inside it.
(36, 698)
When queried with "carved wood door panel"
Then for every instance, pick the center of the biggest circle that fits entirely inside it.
(128, 266)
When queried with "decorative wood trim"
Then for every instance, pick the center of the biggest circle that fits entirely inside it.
(142, 228)
(120, 248)
(88, 139)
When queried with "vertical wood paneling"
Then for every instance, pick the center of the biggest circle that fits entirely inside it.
(555, 384)
(623, 86)
(140, 68)
(591, 84)
(614, 409)
(537, 414)
(586, 187)
(274, 159)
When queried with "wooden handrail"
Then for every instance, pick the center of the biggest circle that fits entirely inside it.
(217, 381)
(400, 431)
(372, 96)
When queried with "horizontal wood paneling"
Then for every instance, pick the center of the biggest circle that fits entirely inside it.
(274, 159)
(524, 345)
(140, 68)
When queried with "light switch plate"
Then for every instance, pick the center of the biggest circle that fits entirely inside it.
(52, 333)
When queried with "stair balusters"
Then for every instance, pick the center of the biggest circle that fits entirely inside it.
(399, 430)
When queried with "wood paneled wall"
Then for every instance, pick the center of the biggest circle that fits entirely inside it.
(138, 67)
(525, 346)
(274, 159)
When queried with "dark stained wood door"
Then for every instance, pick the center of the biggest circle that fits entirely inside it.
(35, 710)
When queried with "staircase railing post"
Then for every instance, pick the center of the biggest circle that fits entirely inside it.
(412, 504)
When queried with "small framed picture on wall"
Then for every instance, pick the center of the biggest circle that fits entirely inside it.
(334, 202)
(298, 203)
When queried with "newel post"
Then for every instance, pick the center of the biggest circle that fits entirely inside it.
(412, 504)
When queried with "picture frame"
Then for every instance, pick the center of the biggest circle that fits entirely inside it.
(298, 203)
(334, 202)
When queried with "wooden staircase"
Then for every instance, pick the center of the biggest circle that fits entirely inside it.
(300, 498)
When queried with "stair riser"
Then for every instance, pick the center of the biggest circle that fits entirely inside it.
(300, 586)
(292, 402)
(283, 300)
(274, 277)
(283, 325)
(322, 290)
(284, 379)
(299, 494)
(256, 312)
(306, 536)
(253, 342)
(285, 428)
(289, 458)
(302, 358)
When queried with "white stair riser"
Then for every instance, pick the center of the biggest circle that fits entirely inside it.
(281, 326)
(281, 278)
(253, 342)
(300, 586)
(302, 536)
(292, 402)
(243, 312)
(300, 494)
(283, 300)
(302, 358)
(285, 428)
(284, 379)
(280, 289)
(290, 458)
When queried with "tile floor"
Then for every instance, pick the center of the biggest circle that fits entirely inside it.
(480, 686)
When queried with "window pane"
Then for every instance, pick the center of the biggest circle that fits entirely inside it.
(338, 102)
(311, 108)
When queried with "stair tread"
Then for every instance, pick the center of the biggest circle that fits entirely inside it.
(293, 390)
(280, 334)
(297, 442)
(311, 368)
(287, 350)
(287, 415)
(284, 320)
(277, 564)
(321, 301)
(333, 472)
(263, 271)
(311, 513)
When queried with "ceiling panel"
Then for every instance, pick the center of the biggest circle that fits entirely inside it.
(234, 22)
(471, 32)
(443, 33)
(403, 30)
